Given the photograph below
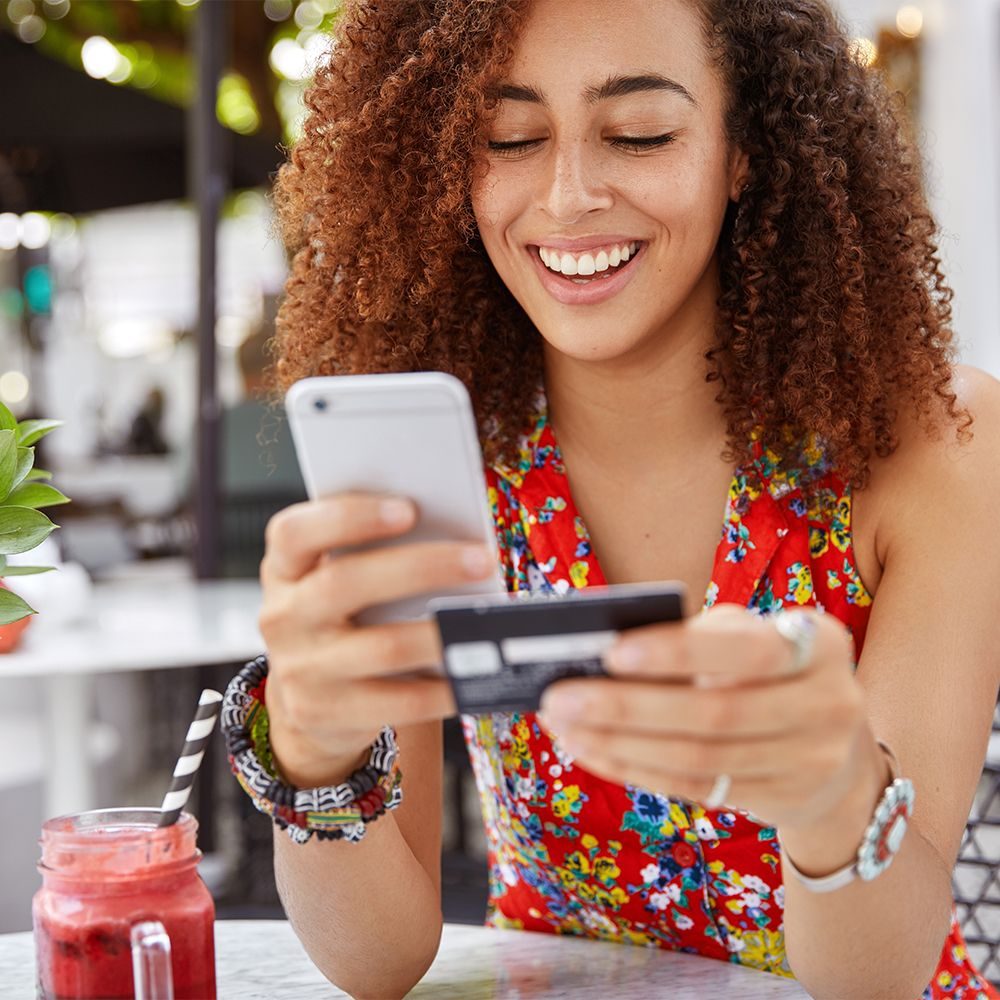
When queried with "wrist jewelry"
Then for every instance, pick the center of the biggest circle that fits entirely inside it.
(332, 812)
(881, 841)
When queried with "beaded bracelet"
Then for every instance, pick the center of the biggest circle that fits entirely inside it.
(332, 812)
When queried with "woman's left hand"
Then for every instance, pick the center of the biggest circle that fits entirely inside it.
(720, 694)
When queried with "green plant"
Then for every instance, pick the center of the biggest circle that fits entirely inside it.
(22, 491)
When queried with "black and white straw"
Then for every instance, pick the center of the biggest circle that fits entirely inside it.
(198, 735)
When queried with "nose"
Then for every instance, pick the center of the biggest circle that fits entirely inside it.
(573, 186)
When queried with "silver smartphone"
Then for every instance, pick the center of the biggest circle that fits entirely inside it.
(412, 435)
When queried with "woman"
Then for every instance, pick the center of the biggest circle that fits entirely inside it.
(697, 226)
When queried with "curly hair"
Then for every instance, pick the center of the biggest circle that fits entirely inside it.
(833, 310)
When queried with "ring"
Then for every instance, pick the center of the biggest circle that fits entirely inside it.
(720, 790)
(799, 629)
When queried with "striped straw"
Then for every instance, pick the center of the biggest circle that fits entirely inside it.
(187, 764)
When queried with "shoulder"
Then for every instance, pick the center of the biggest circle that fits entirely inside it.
(934, 475)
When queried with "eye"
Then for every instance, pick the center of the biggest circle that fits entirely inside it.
(639, 143)
(513, 147)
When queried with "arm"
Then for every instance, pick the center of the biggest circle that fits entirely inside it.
(929, 677)
(369, 914)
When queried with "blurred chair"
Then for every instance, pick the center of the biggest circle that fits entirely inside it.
(977, 872)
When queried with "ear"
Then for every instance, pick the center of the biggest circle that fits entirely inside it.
(739, 174)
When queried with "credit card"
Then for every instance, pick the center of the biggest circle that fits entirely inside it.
(502, 651)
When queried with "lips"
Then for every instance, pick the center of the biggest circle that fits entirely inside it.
(574, 290)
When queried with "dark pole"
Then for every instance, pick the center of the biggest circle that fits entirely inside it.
(207, 150)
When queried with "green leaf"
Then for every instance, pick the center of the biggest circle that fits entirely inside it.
(8, 422)
(8, 461)
(37, 474)
(25, 460)
(13, 608)
(21, 529)
(36, 495)
(29, 431)
(25, 570)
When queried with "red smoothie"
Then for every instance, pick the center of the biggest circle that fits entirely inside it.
(102, 873)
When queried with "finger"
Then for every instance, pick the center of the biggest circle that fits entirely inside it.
(724, 645)
(373, 651)
(298, 536)
(696, 758)
(341, 587)
(688, 710)
(695, 790)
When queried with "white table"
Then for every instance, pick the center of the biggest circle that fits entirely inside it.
(135, 625)
(263, 960)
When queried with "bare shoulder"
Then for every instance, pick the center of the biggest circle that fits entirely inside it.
(940, 468)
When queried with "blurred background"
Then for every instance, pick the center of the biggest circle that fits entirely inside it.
(139, 280)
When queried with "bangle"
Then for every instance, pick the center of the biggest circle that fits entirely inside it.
(332, 812)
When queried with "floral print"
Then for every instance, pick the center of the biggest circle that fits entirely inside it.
(571, 853)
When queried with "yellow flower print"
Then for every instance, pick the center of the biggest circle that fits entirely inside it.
(800, 584)
(678, 816)
(819, 541)
(578, 573)
(578, 862)
(765, 950)
(840, 530)
(605, 869)
(588, 841)
(832, 580)
(566, 801)
(812, 452)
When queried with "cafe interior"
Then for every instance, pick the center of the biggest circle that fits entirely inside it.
(140, 276)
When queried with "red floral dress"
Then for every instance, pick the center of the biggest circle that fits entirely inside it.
(571, 853)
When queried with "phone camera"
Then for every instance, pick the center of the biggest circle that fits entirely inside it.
(320, 404)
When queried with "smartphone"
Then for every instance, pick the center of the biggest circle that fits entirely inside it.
(502, 652)
(410, 434)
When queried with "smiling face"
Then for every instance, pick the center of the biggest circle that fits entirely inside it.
(609, 174)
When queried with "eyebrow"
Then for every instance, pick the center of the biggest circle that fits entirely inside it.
(614, 86)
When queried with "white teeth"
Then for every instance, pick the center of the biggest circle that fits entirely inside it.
(587, 263)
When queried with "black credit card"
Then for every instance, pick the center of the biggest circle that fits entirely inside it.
(502, 651)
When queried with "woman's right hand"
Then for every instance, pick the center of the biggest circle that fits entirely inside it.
(332, 684)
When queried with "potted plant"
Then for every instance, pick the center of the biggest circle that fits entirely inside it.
(23, 490)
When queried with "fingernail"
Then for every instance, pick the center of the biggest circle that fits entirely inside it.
(626, 656)
(396, 512)
(477, 561)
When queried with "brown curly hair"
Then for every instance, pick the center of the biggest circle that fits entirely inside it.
(833, 310)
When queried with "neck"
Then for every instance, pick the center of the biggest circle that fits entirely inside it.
(646, 411)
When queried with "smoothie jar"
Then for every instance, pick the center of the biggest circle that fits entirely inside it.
(122, 911)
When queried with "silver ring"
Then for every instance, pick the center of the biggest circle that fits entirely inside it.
(720, 790)
(799, 629)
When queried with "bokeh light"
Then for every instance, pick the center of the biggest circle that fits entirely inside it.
(35, 230)
(18, 10)
(10, 231)
(55, 10)
(235, 106)
(909, 21)
(14, 387)
(278, 10)
(100, 57)
(31, 29)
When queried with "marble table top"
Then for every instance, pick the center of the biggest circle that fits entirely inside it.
(263, 960)
(147, 625)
